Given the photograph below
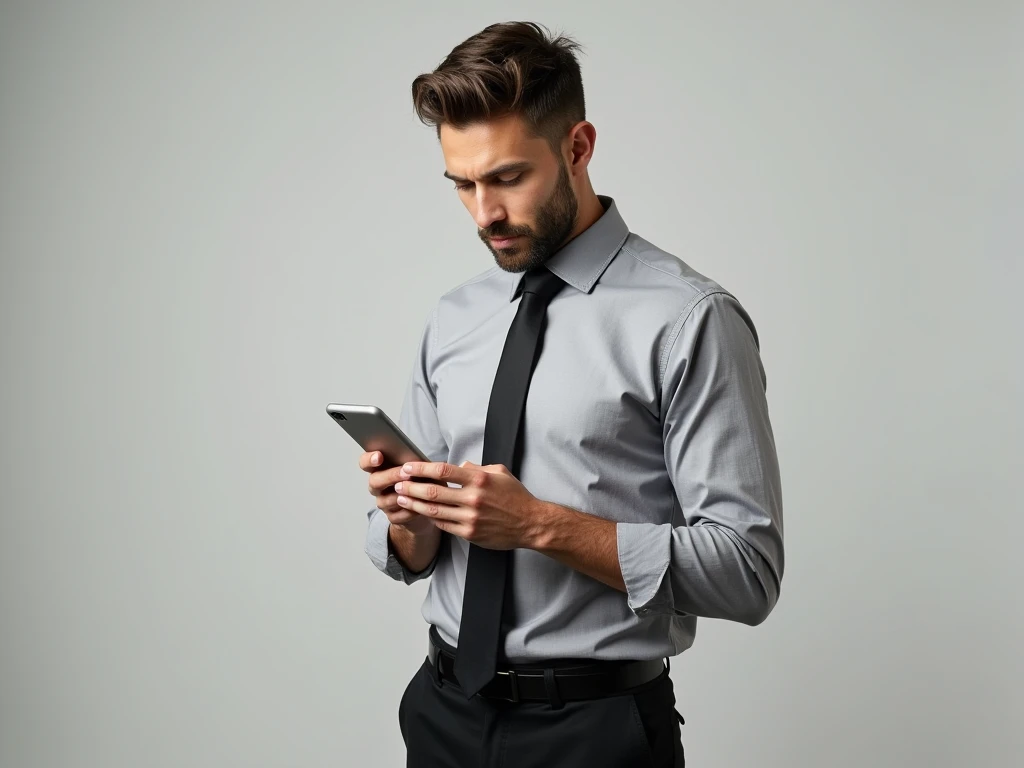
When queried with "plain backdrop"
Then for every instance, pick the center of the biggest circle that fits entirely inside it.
(215, 218)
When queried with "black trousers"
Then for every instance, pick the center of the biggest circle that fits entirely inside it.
(442, 728)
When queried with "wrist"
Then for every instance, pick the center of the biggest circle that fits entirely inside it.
(414, 551)
(543, 529)
(418, 528)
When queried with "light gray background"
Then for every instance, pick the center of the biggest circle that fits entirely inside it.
(215, 218)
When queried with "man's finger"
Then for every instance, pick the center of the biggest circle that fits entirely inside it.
(444, 494)
(496, 469)
(370, 460)
(385, 478)
(436, 510)
(448, 526)
(439, 470)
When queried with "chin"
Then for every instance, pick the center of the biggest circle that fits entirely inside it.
(511, 259)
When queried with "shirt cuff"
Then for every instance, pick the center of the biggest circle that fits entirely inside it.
(378, 549)
(645, 552)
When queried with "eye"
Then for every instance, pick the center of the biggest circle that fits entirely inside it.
(500, 182)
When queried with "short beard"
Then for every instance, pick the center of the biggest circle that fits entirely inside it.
(556, 220)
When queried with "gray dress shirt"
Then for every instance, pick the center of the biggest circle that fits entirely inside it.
(647, 407)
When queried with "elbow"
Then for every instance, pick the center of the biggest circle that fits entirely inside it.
(761, 603)
(756, 612)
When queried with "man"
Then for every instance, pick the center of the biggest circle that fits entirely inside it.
(603, 469)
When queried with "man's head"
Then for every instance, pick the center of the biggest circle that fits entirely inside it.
(508, 107)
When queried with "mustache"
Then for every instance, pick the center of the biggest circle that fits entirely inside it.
(488, 234)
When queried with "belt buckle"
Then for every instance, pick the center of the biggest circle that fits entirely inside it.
(513, 685)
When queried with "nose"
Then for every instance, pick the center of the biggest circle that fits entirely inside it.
(488, 208)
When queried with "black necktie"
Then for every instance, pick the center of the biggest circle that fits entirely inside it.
(479, 631)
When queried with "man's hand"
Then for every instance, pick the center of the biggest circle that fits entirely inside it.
(492, 508)
(381, 485)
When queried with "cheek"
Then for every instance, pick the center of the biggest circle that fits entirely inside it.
(524, 208)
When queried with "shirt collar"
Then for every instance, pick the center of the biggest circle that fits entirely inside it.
(582, 260)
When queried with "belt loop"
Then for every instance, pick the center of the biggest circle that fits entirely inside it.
(436, 657)
(551, 687)
(513, 685)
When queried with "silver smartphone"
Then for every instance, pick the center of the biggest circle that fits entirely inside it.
(369, 426)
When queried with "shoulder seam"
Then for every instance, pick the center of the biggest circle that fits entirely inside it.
(636, 256)
(678, 326)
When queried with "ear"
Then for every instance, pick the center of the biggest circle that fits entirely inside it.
(583, 137)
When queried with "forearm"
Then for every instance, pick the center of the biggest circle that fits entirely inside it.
(725, 579)
(414, 551)
(703, 570)
(583, 542)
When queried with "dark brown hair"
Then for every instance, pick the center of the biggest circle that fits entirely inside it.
(508, 68)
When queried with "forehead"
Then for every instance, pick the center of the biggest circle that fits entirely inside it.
(477, 147)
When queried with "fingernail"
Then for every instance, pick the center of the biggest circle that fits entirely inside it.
(375, 459)
(398, 487)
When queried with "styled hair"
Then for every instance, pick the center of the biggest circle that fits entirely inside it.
(505, 69)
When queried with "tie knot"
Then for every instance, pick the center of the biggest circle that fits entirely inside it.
(543, 282)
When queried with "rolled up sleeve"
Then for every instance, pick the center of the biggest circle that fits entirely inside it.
(418, 420)
(645, 553)
(378, 548)
(726, 558)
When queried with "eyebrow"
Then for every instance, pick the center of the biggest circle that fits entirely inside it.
(521, 165)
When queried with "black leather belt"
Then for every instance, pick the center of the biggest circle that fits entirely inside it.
(536, 683)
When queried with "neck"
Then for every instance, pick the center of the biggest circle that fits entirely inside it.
(590, 210)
